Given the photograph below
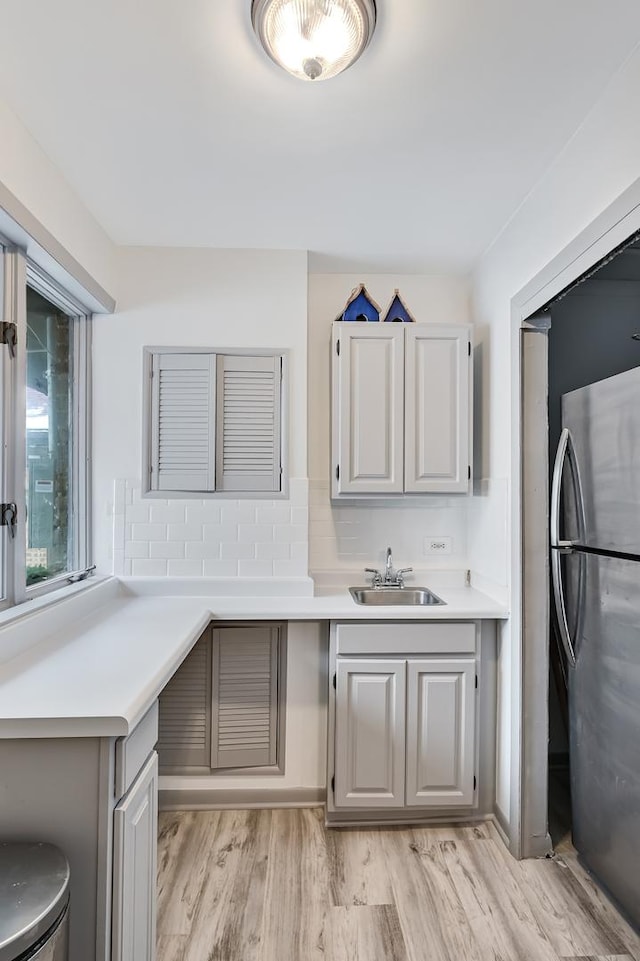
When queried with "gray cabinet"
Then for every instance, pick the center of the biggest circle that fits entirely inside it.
(224, 708)
(402, 731)
(134, 868)
(440, 731)
(401, 402)
(370, 732)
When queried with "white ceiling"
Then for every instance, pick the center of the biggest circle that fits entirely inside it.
(176, 129)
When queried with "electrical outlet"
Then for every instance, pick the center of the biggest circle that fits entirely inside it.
(437, 545)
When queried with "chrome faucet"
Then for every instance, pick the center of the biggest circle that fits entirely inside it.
(391, 577)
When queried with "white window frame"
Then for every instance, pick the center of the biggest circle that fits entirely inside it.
(147, 432)
(18, 272)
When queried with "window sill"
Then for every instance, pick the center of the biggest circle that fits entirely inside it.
(36, 604)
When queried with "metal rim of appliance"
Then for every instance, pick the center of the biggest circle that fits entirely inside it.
(34, 897)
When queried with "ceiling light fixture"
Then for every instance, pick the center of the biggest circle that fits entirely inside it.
(314, 39)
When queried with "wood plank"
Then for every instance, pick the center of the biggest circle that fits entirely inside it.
(185, 839)
(297, 898)
(601, 906)
(563, 909)
(431, 914)
(171, 947)
(354, 860)
(228, 918)
(494, 904)
(364, 933)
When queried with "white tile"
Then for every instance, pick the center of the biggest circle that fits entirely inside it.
(220, 532)
(141, 567)
(166, 549)
(184, 568)
(136, 549)
(119, 496)
(252, 533)
(245, 514)
(184, 532)
(167, 515)
(118, 532)
(219, 568)
(118, 562)
(149, 532)
(299, 491)
(289, 569)
(203, 514)
(273, 552)
(198, 550)
(255, 568)
(287, 533)
(138, 513)
(280, 514)
(127, 570)
(299, 551)
(299, 515)
(237, 552)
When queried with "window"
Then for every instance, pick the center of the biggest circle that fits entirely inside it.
(214, 422)
(45, 374)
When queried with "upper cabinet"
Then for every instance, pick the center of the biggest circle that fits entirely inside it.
(401, 409)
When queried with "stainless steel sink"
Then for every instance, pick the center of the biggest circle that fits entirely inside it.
(395, 596)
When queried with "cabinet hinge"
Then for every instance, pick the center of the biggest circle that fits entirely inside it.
(338, 347)
(333, 784)
(337, 471)
(474, 782)
(334, 682)
(9, 336)
(9, 517)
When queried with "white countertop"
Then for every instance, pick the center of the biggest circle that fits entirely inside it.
(91, 664)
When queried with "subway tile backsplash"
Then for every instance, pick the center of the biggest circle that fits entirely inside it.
(208, 538)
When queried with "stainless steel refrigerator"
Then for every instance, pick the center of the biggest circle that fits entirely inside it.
(595, 560)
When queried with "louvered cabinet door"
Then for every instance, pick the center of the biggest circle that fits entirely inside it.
(244, 725)
(248, 423)
(184, 722)
(183, 422)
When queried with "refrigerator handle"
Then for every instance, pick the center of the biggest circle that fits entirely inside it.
(559, 547)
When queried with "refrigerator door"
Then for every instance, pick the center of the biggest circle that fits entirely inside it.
(604, 724)
(604, 423)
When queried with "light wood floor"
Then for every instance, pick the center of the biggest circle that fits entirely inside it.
(279, 886)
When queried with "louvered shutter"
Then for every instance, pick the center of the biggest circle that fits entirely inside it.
(183, 422)
(245, 697)
(248, 423)
(184, 722)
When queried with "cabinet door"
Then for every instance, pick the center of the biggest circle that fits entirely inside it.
(369, 735)
(437, 442)
(134, 868)
(367, 418)
(246, 696)
(440, 732)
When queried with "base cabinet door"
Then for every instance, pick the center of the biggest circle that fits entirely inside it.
(370, 733)
(134, 868)
(440, 732)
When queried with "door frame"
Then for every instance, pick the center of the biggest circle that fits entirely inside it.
(528, 834)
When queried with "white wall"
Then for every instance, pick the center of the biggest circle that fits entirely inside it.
(27, 172)
(597, 165)
(204, 298)
(348, 537)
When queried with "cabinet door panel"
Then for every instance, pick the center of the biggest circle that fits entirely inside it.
(440, 732)
(135, 825)
(369, 736)
(368, 409)
(437, 371)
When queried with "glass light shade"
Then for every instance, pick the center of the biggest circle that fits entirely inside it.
(314, 39)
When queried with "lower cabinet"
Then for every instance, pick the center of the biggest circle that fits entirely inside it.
(224, 708)
(135, 829)
(404, 725)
